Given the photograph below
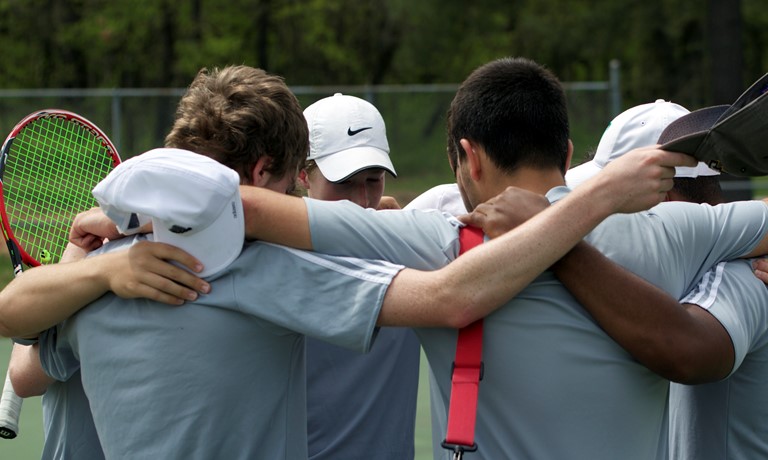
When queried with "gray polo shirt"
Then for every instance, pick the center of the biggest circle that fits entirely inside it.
(222, 377)
(727, 419)
(555, 385)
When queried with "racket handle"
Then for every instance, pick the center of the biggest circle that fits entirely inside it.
(10, 410)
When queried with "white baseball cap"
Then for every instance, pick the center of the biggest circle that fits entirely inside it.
(193, 202)
(639, 126)
(347, 135)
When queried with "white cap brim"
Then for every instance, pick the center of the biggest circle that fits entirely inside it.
(217, 245)
(699, 170)
(581, 173)
(341, 165)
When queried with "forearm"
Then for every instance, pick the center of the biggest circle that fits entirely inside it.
(275, 217)
(44, 296)
(681, 343)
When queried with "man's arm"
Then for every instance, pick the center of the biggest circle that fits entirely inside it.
(44, 296)
(683, 343)
(26, 371)
(634, 182)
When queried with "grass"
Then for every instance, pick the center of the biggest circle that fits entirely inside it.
(28, 444)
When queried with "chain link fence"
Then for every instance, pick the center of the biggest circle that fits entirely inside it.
(137, 120)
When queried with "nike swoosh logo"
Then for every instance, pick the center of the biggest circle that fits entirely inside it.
(350, 132)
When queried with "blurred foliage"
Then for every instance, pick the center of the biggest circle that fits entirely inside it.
(664, 45)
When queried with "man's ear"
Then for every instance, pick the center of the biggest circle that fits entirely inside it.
(569, 158)
(303, 179)
(472, 159)
(259, 172)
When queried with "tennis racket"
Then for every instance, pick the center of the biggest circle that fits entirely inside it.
(48, 166)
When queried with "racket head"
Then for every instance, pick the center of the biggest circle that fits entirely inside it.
(49, 164)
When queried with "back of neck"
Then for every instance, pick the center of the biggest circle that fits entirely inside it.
(535, 180)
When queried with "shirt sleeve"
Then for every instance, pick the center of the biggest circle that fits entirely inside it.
(424, 240)
(675, 243)
(731, 229)
(56, 354)
(737, 299)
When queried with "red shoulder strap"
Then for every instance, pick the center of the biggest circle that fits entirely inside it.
(469, 237)
(467, 372)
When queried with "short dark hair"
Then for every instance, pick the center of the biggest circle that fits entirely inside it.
(702, 189)
(516, 110)
(238, 114)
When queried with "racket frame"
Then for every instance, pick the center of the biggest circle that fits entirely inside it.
(10, 402)
(14, 247)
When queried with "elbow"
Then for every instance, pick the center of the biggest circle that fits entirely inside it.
(445, 306)
(20, 384)
(442, 302)
(697, 374)
(22, 387)
(13, 320)
(460, 311)
(675, 372)
(687, 375)
(6, 323)
(5, 329)
(462, 305)
(689, 368)
(8, 329)
(26, 373)
(462, 317)
(456, 321)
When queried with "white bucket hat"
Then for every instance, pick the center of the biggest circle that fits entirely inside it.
(193, 202)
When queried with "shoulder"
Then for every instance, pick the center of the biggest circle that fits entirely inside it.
(737, 299)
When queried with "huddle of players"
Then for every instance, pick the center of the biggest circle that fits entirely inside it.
(559, 380)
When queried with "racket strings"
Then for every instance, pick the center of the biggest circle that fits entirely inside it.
(53, 165)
